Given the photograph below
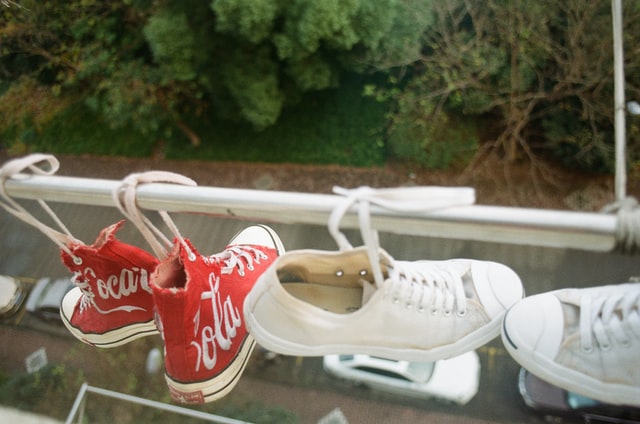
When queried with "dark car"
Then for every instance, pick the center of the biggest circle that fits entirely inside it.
(46, 297)
(551, 400)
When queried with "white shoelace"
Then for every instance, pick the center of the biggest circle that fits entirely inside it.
(435, 288)
(86, 300)
(617, 315)
(235, 258)
(36, 164)
(125, 198)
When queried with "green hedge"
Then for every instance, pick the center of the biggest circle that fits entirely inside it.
(337, 126)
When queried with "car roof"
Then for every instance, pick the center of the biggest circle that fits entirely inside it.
(48, 293)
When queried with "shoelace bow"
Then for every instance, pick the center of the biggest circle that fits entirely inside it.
(433, 290)
(436, 288)
(237, 257)
(617, 315)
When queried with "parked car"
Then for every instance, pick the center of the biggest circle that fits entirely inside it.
(551, 400)
(12, 295)
(46, 297)
(455, 380)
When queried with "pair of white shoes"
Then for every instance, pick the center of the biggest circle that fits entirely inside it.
(361, 300)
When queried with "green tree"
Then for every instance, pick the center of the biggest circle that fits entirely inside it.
(540, 71)
(250, 58)
(155, 65)
(81, 51)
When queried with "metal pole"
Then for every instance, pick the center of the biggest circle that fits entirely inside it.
(619, 102)
(164, 406)
(77, 404)
(525, 226)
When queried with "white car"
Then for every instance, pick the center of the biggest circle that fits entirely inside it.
(454, 380)
(46, 297)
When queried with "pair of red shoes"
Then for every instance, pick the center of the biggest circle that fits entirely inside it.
(123, 293)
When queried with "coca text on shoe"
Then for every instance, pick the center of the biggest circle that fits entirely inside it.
(199, 313)
(112, 302)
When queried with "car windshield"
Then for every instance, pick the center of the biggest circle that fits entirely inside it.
(420, 371)
(378, 371)
(54, 293)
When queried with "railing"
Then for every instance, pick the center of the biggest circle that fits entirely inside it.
(76, 414)
(524, 226)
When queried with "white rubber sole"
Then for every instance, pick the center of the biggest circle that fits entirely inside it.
(112, 338)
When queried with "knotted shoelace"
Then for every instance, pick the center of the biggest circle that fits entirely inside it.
(433, 288)
(603, 317)
(125, 198)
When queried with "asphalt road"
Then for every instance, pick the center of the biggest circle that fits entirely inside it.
(299, 384)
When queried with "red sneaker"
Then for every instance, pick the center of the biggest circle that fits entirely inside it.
(199, 301)
(112, 303)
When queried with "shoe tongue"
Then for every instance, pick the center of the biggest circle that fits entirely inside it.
(368, 289)
(571, 314)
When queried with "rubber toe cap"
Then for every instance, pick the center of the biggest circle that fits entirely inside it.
(258, 235)
(498, 287)
(534, 326)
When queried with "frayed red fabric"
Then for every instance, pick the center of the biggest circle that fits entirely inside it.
(116, 302)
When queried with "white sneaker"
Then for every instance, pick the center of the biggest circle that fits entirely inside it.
(361, 300)
(583, 340)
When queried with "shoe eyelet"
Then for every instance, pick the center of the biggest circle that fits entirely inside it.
(461, 313)
(420, 309)
(241, 273)
(408, 305)
(626, 343)
(77, 260)
(434, 311)
(587, 349)
(446, 313)
(363, 272)
(250, 267)
(605, 346)
(339, 273)
(396, 300)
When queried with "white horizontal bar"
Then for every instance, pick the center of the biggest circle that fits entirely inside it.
(525, 226)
